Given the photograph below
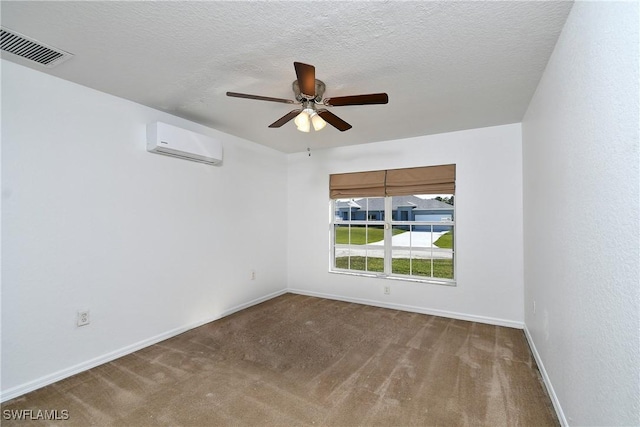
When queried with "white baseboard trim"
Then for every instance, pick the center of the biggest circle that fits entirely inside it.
(92, 363)
(546, 379)
(414, 309)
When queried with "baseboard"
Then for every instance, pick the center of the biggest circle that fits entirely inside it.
(414, 309)
(546, 379)
(84, 366)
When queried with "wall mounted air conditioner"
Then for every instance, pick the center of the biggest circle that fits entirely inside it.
(184, 144)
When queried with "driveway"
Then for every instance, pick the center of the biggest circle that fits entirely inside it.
(415, 239)
(421, 243)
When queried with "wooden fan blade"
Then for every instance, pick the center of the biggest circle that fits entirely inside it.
(260, 98)
(284, 119)
(306, 79)
(374, 98)
(334, 120)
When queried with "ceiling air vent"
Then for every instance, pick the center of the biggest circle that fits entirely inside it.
(33, 50)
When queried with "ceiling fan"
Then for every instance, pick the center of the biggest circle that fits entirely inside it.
(309, 94)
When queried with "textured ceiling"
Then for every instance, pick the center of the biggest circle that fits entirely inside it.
(446, 65)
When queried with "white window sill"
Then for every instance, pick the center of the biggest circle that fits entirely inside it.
(428, 280)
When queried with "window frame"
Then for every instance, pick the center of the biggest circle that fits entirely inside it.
(388, 223)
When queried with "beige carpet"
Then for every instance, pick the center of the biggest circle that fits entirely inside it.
(298, 360)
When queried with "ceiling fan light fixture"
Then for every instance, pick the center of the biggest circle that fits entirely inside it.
(305, 127)
(318, 122)
(302, 120)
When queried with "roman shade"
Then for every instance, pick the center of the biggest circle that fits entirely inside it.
(357, 184)
(394, 182)
(425, 180)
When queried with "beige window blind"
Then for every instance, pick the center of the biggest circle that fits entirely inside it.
(425, 180)
(394, 182)
(357, 184)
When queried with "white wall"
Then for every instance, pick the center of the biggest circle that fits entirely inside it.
(580, 151)
(488, 220)
(148, 243)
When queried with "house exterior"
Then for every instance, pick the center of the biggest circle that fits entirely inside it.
(404, 208)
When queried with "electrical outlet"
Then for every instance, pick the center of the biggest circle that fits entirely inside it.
(253, 275)
(83, 318)
(387, 289)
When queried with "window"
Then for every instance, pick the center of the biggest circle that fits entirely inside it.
(416, 243)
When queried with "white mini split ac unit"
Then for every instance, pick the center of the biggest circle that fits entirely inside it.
(184, 144)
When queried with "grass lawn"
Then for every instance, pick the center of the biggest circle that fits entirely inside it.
(445, 241)
(442, 268)
(361, 235)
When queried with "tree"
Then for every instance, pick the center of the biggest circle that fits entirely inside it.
(448, 200)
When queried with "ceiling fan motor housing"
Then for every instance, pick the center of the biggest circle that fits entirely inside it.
(320, 88)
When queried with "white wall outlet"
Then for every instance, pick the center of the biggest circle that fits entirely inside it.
(387, 289)
(83, 318)
(253, 275)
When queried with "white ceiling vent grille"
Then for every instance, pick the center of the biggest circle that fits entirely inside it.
(31, 49)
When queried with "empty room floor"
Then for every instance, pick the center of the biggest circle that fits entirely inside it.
(299, 360)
